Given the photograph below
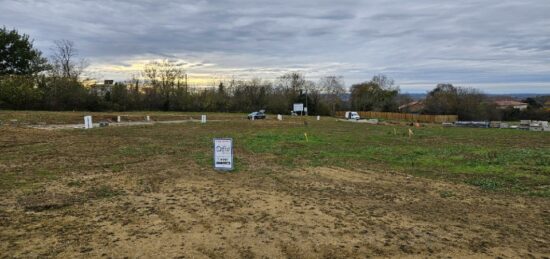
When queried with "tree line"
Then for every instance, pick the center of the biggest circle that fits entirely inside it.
(29, 81)
(163, 88)
(472, 104)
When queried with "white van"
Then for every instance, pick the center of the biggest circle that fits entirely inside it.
(352, 116)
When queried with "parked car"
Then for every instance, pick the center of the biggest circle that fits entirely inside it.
(256, 116)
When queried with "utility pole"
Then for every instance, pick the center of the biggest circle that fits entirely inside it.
(307, 110)
(186, 88)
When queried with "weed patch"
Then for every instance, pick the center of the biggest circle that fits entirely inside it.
(103, 191)
(486, 183)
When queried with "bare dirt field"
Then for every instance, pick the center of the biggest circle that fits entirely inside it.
(149, 191)
(315, 212)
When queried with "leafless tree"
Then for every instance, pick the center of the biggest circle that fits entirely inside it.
(64, 60)
(165, 76)
(384, 82)
(332, 87)
(291, 82)
(289, 86)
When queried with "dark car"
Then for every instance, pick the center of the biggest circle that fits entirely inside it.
(256, 116)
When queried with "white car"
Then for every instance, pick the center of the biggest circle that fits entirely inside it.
(352, 116)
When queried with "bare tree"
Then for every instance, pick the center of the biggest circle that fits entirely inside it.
(165, 76)
(384, 82)
(64, 60)
(291, 82)
(291, 86)
(332, 88)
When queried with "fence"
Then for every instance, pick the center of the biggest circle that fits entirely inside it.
(404, 116)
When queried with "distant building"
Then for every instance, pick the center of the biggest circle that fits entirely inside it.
(412, 107)
(511, 104)
(102, 89)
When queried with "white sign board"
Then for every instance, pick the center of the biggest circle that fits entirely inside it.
(148, 118)
(88, 122)
(203, 118)
(118, 119)
(279, 117)
(223, 154)
(298, 107)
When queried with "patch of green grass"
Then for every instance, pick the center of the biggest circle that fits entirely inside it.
(104, 191)
(116, 168)
(485, 158)
(446, 194)
(493, 159)
(202, 159)
(540, 193)
(24, 180)
(10, 180)
(141, 150)
(485, 183)
(75, 183)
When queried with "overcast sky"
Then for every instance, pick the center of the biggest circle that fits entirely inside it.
(499, 46)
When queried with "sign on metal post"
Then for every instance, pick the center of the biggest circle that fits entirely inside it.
(298, 107)
(223, 154)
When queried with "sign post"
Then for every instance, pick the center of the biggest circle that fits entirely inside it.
(223, 154)
(299, 107)
(203, 118)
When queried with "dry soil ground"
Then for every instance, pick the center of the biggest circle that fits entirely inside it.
(315, 212)
(90, 201)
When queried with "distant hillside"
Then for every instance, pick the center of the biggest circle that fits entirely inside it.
(420, 96)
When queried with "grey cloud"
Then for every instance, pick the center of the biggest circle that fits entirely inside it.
(422, 41)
